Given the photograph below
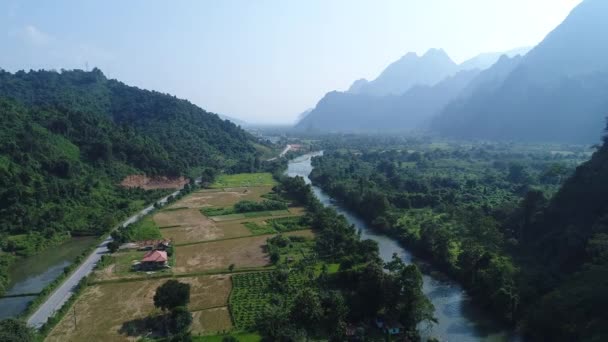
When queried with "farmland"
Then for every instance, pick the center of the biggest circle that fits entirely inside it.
(104, 309)
(119, 301)
(251, 293)
(244, 179)
(242, 252)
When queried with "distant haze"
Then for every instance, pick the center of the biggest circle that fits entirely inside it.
(260, 61)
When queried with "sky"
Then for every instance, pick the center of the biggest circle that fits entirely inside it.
(260, 61)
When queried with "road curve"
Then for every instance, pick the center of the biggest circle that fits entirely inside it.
(61, 295)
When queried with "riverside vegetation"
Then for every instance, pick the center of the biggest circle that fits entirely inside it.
(521, 226)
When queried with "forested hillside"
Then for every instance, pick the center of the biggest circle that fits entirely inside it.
(69, 138)
(566, 242)
(496, 217)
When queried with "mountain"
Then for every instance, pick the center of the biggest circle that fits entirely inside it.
(558, 92)
(406, 94)
(356, 87)
(409, 70)
(69, 138)
(485, 60)
(567, 241)
(362, 112)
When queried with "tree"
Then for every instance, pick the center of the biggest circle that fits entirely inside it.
(306, 310)
(12, 330)
(113, 246)
(171, 295)
(180, 320)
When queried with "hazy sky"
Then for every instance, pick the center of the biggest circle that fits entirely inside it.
(261, 61)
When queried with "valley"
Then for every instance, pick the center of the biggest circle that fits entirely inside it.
(361, 171)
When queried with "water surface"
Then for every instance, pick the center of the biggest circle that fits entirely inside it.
(33, 274)
(458, 318)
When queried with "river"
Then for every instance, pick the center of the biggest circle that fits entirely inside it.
(34, 273)
(458, 318)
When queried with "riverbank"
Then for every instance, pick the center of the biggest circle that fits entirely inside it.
(459, 318)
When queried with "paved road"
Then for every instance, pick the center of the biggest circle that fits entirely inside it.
(61, 295)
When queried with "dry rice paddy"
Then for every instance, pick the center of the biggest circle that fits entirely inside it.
(221, 197)
(243, 252)
(102, 309)
(210, 321)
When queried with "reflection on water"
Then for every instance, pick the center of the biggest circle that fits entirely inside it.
(458, 319)
(33, 274)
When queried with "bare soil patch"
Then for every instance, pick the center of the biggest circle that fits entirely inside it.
(211, 321)
(151, 183)
(222, 197)
(245, 252)
(189, 225)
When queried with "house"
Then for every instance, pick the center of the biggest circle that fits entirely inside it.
(154, 259)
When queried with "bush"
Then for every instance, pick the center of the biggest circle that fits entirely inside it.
(266, 205)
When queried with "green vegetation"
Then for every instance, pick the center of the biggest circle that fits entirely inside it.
(251, 215)
(251, 293)
(238, 336)
(12, 330)
(246, 207)
(278, 225)
(289, 249)
(496, 217)
(302, 299)
(69, 138)
(265, 205)
(243, 179)
(144, 229)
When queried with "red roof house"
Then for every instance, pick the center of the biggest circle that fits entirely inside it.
(157, 257)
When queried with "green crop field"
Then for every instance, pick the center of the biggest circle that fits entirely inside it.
(241, 216)
(244, 179)
(251, 293)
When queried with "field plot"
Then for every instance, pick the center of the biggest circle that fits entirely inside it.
(242, 252)
(208, 292)
(241, 216)
(188, 225)
(211, 321)
(244, 179)
(102, 310)
(221, 197)
(250, 294)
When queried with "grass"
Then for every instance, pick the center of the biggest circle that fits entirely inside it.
(123, 261)
(211, 321)
(254, 214)
(144, 229)
(217, 211)
(244, 179)
(277, 225)
(240, 336)
(260, 228)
